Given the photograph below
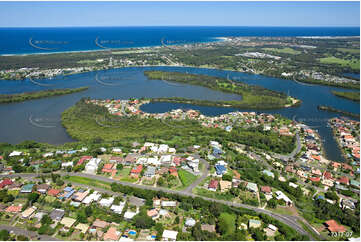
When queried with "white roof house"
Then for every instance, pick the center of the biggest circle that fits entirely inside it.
(163, 148)
(165, 158)
(190, 222)
(172, 150)
(142, 160)
(106, 202)
(153, 161)
(117, 150)
(129, 215)
(169, 204)
(95, 196)
(66, 164)
(118, 208)
(281, 195)
(169, 235)
(15, 153)
(92, 165)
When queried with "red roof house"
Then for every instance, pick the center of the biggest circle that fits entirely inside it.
(266, 189)
(84, 158)
(315, 179)
(333, 226)
(213, 185)
(344, 180)
(327, 175)
(5, 182)
(53, 192)
(108, 168)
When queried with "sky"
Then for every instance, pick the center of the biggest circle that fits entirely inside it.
(67, 14)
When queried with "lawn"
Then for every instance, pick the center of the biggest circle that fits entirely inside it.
(217, 195)
(284, 51)
(90, 182)
(123, 175)
(186, 177)
(347, 50)
(354, 63)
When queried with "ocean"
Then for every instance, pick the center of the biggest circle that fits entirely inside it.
(16, 41)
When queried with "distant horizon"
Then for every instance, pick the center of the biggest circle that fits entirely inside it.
(126, 26)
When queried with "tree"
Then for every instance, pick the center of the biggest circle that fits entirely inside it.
(33, 197)
(234, 191)
(119, 167)
(272, 203)
(226, 223)
(227, 177)
(143, 221)
(4, 235)
(46, 220)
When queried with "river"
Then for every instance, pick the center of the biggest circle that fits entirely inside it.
(40, 120)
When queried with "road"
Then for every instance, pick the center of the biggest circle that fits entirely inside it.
(294, 152)
(204, 175)
(291, 221)
(30, 234)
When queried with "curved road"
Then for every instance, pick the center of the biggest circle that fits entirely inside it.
(294, 152)
(291, 221)
(30, 234)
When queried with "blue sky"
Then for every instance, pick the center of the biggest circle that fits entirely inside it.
(53, 14)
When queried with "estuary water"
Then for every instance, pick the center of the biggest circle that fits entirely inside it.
(40, 119)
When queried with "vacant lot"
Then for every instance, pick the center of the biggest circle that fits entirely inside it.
(354, 63)
(284, 51)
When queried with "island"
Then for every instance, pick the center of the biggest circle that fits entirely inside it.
(335, 110)
(254, 97)
(354, 96)
(21, 97)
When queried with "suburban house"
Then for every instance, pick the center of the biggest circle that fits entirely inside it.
(28, 188)
(213, 185)
(28, 212)
(106, 202)
(190, 222)
(53, 192)
(95, 196)
(82, 159)
(252, 187)
(57, 214)
(150, 172)
(208, 227)
(112, 234)
(82, 227)
(42, 188)
(220, 170)
(92, 165)
(169, 235)
(80, 195)
(282, 196)
(253, 223)
(67, 222)
(333, 226)
(135, 172)
(268, 173)
(225, 185)
(266, 189)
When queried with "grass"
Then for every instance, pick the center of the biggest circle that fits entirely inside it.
(354, 96)
(90, 182)
(308, 230)
(124, 175)
(347, 50)
(354, 63)
(284, 50)
(186, 177)
(211, 194)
